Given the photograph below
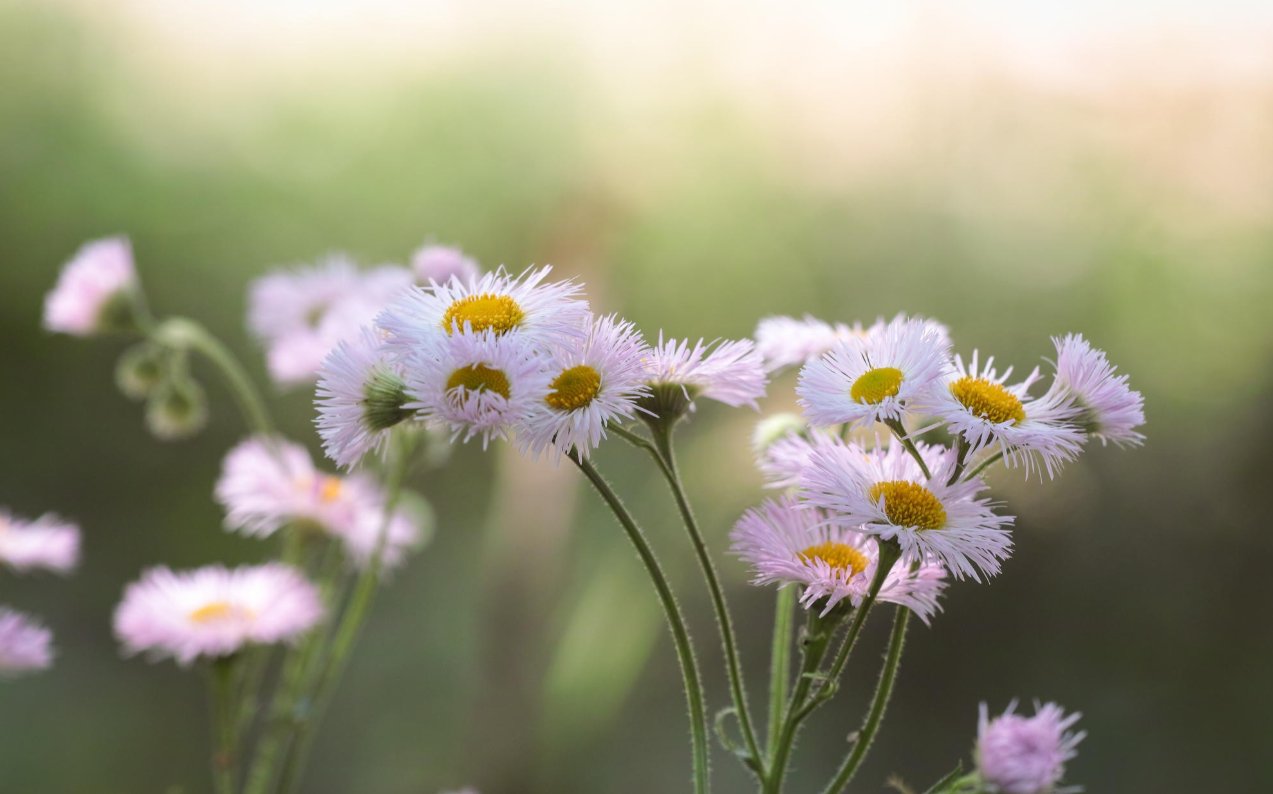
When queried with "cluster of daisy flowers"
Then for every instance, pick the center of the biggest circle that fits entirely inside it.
(47, 543)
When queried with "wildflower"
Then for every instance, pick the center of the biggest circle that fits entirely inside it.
(441, 263)
(25, 645)
(177, 408)
(1107, 407)
(48, 542)
(783, 462)
(1026, 755)
(785, 341)
(731, 372)
(361, 397)
(96, 291)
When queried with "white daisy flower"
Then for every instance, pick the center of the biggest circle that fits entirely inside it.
(885, 492)
(731, 372)
(788, 542)
(48, 542)
(361, 397)
(877, 378)
(593, 384)
(441, 263)
(786, 341)
(979, 405)
(95, 291)
(1108, 408)
(25, 645)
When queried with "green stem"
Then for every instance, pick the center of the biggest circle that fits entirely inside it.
(225, 761)
(814, 642)
(879, 702)
(899, 430)
(984, 465)
(676, 621)
(185, 334)
(780, 661)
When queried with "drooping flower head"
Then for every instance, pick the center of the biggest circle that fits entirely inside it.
(1108, 409)
(25, 645)
(1026, 755)
(595, 382)
(786, 341)
(1036, 434)
(48, 542)
(361, 398)
(678, 373)
(213, 611)
(791, 543)
(441, 263)
(875, 378)
(884, 492)
(96, 290)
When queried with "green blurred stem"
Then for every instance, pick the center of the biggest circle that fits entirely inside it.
(780, 661)
(225, 759)
(990, 461)
(184, 334)
(676, 621)
(899, 430)
(879, 702)
(814, 640)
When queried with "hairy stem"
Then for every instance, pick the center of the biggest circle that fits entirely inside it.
(186, 334)
(780, 662)
(814, 641)
(899, 430)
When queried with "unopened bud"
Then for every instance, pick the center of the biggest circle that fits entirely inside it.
(140, 370)
(177, 409)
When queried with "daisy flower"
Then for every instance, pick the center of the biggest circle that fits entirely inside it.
(978, 404)
(875, 378)
(290, 299)
(593, 384)
(790, 543)
(214, 612)
(48, 542)
(361, 397)
(885, 493)
(441, 263)
(1108, 408)
(783, 462)
(25, 645)
(95, 291)
(477, 383)
(731, 372)
(785, 341)
(1026, 755)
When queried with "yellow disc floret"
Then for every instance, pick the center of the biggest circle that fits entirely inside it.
(216, 610)
(574, 388)
(479, 377)
(485, 312)
(987, 399)
(909, 504)
(330, 489)
(876, 384)
(840, 556)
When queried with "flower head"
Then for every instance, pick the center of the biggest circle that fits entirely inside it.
(1026, 755)
(785, 341)
(788, 542)
(214, 611)
(783, 462)
(47, 542)
(94, 293)
(25, 645)
(361, 398)
(731, 372)
(441, 263)
(1108, 408)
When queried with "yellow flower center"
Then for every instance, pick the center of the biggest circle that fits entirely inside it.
(909, 504)
(989, 400)
(479, 377)
(330, 489)
(488, 311)
(876, 384)
(218, 610)
(840, 556)
(574, 388)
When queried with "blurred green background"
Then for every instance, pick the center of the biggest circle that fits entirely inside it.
(699, 168)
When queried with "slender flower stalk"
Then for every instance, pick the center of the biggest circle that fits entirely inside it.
(225, 723)
(780, 660)
(815, 639)
(185, 334)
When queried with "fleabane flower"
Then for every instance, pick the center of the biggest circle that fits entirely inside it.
(1026, 755)
(441, 263)
(783, 462)
(977, 403)
(790, 543)
(361, 398)
(678, 373)
(593, 384)
(25, 645)
(875, 378)
(96, 290)
(885, 493)
(214, 611)
(786, 341)
(48, 542)
(1108, 409)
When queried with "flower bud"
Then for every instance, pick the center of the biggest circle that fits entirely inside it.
(177, 409)
(140, 370)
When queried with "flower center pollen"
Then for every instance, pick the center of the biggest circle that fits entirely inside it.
(329, 489)
(479, 377)
(218, 610)
(488, 311)
(876, 384)
(840, 556)
(989, 400)
(574, 388)
(909, 504)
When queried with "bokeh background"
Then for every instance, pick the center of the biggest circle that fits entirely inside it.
(1017, 170)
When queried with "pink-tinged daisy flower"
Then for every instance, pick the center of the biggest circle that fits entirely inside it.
(214, 612)
(361, 398)
(47, 542)
(786, 342)
(978, 404)
(884, 493)
(1108, 408)
(281, 302)
(25, 645)
(441, 263)
(791, 543)
(95, 291)
(1026, 755)
(731, 372)
(593, 384)
(783, 462)
(875, 378)
(477, 384)
(546, 315)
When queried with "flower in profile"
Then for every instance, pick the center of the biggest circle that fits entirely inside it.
(678, 373)
(875, 378)
(214, 611)
(95, 291)
(48, 542)
(361, 398)
(441, 263)
(1107, 407)
(783, 462)
(1026, 755)
(791, 543)
(25, 645)
(786, 342)
(979, 405)
(594, 383)
(884, 492)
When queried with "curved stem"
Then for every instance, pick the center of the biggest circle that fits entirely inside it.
(879, 702)
(183, 333)
(676, 621)
(899, 430)
(780, 661)
(987, 463)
